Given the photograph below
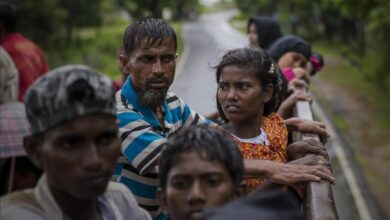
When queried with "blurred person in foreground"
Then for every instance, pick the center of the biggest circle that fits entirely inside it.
(74, 140)
(16, 170)
(200, 168)
(27, 56)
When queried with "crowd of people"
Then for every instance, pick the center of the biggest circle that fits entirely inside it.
(88, 148)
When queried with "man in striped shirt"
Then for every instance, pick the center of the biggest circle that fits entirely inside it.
(148, 113)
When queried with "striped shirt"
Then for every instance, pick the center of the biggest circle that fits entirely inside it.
(143, 139)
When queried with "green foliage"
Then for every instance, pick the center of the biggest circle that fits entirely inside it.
(51, 22)
(251, 7)
(40, 19)
(99, 48)
(140, 8)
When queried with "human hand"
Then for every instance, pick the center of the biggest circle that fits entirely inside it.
(292, 173)
(303, 74)
(289, 103)
(299, 149)
(311, 159)
(297, 83)
(312, 127)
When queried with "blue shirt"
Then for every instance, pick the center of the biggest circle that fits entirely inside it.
(143, 139)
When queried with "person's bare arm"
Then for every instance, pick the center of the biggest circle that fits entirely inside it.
(288, 103)
(286, 173)
(299, 149)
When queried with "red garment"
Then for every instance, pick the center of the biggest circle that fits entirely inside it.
(276, 131)
(28, 59)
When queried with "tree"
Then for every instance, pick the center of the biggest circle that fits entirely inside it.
(80, 14)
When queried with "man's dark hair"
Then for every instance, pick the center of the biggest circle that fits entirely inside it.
(261, 64)
(155, 30)
(8, 16)
(211, 144)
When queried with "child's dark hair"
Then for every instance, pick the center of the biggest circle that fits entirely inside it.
(211, 144)
(155, 30)
(257, 61)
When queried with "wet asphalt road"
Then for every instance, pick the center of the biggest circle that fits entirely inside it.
(205, 41)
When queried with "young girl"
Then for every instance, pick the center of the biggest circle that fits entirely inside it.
(246, 99)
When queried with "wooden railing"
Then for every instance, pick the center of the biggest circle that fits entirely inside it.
(319, 204)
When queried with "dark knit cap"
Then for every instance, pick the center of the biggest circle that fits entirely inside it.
(66, 93)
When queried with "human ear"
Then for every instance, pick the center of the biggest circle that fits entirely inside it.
(32, 146)
(162, 200)
(123, 63)
(268, 92)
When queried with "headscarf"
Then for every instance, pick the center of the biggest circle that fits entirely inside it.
(268, 30)
(289, 44)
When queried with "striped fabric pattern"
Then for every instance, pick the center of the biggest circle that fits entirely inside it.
(143, 139)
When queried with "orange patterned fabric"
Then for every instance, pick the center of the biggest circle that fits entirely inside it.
(276, 131)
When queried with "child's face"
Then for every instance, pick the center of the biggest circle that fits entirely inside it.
(292, 60)
(240, 94)
(194, 184)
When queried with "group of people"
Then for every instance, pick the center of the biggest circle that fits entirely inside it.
(165, 160)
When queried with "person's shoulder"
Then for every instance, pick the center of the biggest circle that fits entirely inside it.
(174, 101)
(273, 118)
(18, 198)
(172, 97)
(119, 192)
(125, 201)
(114, 187)
(21, 205)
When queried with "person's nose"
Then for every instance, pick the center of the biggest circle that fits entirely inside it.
(157, 68)
(92, 159)
(231, 95)
(196, 194)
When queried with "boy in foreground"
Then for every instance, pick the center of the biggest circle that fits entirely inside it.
(75, 141)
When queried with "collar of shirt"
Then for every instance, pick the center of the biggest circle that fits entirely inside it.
(53, 211)
(131, 95)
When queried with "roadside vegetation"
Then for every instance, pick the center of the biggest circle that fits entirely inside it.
(98, 48)
(90, 32)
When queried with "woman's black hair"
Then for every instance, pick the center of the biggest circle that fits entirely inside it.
(211, 144)
(257, 61)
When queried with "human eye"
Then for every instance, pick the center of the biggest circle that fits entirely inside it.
(243, 86)
(70, 143)
(147, 59)
(222, 86)
(106, 139)
(167, 58)
(180, 183)
(214, 180)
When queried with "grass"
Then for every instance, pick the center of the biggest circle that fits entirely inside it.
(97, 48)
(370, 148)
(351, 77)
